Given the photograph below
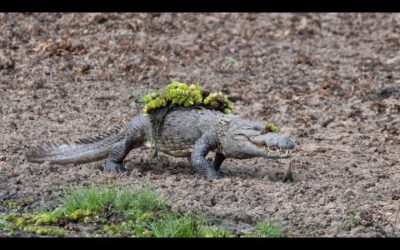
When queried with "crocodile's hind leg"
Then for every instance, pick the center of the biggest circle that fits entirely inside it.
(118, 153)
(135, 137)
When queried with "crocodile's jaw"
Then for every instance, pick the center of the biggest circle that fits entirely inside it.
(248, 150)
(271, 145)
(276, 153)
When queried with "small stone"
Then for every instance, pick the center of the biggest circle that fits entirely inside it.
(2, 157)
(13, 193)
(100, 19)
(349, 193)
(82, 69)
(380, 150)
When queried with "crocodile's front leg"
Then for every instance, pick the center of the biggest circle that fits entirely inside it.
(135, 136)
(198, 157)
(219, 158)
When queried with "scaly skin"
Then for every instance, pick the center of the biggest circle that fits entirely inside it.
(180, 132)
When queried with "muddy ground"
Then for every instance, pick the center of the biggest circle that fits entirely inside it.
(330, 81)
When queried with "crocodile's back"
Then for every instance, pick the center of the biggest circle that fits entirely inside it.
(181, 128)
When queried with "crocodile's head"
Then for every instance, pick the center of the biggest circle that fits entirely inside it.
(248, 139)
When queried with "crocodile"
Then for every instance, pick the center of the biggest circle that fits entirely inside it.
(191, 132)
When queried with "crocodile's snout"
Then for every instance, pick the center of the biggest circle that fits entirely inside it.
(275, 140)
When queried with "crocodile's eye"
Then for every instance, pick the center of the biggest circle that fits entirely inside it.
(258, 128)
(254, 127)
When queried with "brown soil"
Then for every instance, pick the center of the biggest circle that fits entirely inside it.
(330, 81)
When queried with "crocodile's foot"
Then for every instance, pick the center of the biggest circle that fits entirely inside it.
(220, 174)
(115, 167)
(215, 175)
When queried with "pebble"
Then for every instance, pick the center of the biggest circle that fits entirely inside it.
(349, 193)
(12, 193)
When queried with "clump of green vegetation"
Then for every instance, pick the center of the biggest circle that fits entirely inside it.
(45, 230)
(180, 94)
(271, 127)
(30, 223)
(10, 204)
(231, 61)
(78, 214)
(45, 219)
(124, 229)
(136, 212)
(288, 176)
(269, 229)
(127, 202)
(213, 231)
(88, 205)
(15, 204)
(178, 226)
(350, 223)
(120, 212)
(219, 101)
(153, 101)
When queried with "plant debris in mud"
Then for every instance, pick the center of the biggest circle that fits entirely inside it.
(110, 212)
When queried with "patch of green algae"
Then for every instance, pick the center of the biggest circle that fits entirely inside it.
(31, 223)
(180, 94)
(16, 204)
(271, 127)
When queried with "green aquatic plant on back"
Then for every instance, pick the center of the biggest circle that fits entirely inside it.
(219, 101)
(180, 94)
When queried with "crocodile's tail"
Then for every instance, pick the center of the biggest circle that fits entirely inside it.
(81, 151)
